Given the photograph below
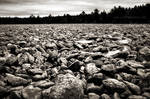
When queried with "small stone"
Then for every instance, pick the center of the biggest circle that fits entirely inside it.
(146, 94)
(114, 84)
(134, 88)
(91, 88)
(15, 95)
(136, 97)
(26, 66)
(144, 54)
(11, 59)
(91, 68)
(108, 68)
(15, 81)
(3, 91)
(2, 61)
(43, 84)
(22, 43)
(105, 96)
(93, 96)
(116, 96)
(31, 92)
(75, 66)
(100, 49)
(35, 71)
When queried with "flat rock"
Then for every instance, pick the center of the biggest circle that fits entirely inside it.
(15, 81)
(105, 96)
(136, 97)
(114, 84)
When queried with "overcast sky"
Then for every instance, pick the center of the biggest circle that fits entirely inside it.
(59, 7)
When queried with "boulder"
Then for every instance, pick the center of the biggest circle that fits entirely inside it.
(66, 87)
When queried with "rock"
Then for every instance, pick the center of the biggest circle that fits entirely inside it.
(12, 48)
(85, 41)
(123, 42)
(93, 96)
(22, 58)
(115, 85)
(135, 64)
(134, 88)
(26, 66)
(109, 68)
(146, 94)
(144, 54)
(66, 87)
(35, 71)
(136, 97)
(125, 94)
(30, 58)
(43, 84)
(11, 59)
(15, 81)
(51, 45)
(96, 78)
(38, 77)
(116, 96)
(105, 96)
(2, 61)
(75, 66)
(22, 43)
(15, 95)
(91, 68)
(3, 91)
(91, 88)
(100, 49)
(31, 92)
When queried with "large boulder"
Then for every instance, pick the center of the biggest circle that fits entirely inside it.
(66, 87)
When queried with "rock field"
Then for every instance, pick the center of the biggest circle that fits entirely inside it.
(75, 61)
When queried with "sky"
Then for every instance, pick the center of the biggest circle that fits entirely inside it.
(23, 8)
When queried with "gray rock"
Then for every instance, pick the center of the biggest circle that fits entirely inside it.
(2, 61)
(91, 68)
(38, 77)
(35, 71)
(15, 81)
(93, 96)
(11, 59)
(91, 88)
(146, 94)
(109, 68)
(116, 96)
(114, 84)
(134, 88)
(43, 84)
(105, 96)
(136, 97)
(31, 92)
(144, 54)
(3, 91)
(66, 87)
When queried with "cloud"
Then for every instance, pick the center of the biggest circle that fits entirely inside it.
(59, 7)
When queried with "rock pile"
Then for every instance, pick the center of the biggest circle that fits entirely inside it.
(107, 66)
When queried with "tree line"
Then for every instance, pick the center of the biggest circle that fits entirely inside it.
(137, 14)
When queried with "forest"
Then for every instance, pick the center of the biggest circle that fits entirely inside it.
(137, 14)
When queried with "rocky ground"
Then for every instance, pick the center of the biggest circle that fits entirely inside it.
(75, 61)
